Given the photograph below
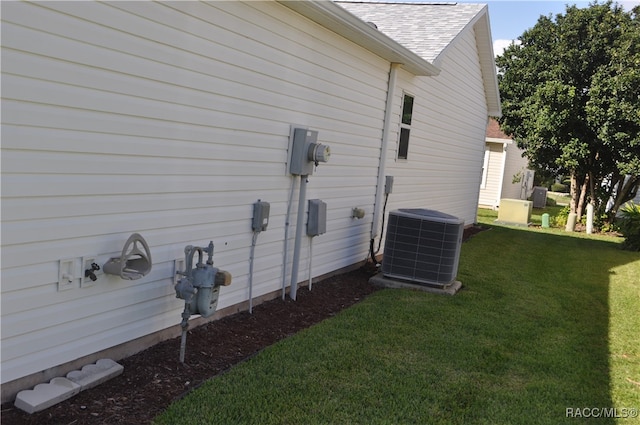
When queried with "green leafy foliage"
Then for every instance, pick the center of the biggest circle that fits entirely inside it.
(560, 219)
(630, 226)
(559, 187)
(571, 97)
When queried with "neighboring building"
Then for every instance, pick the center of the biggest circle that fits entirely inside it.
(611, 200)
(171, 119)
(505, 172)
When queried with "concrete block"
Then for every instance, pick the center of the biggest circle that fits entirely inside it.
(95, 374)
(46, 395)
(59, 389)
(450, 288)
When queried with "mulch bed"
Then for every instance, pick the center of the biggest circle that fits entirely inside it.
(154, 378)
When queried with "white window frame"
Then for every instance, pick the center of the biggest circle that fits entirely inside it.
(404, 126)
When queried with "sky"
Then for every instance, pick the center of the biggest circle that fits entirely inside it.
(510, 18)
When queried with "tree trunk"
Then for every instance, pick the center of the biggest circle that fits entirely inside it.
(626, 193)
(573, 192)
(583, 195)
(592, 189)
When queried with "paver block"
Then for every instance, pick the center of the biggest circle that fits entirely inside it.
(95, 374)
(449, 289)
(46, 395)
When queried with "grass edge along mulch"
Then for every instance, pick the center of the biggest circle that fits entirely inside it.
(546, 324)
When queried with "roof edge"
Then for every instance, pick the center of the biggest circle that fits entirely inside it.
(339, 20)
(488, 64)
(468, 25)
(482, 28)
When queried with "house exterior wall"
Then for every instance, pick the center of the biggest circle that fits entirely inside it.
(490, 193)
(443, 168)
(168, 120)
(505, 162)
(515, 184)
(171, 120)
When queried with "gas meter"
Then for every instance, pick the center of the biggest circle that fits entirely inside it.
(199, 287)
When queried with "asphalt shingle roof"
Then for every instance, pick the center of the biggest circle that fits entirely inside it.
(424, 28)
(494, 132)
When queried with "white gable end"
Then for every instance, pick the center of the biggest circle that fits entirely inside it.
(430, 29)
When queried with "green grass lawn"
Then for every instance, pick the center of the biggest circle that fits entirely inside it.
(487, 216)
(536, 214)
(545, 322)
(560, 198)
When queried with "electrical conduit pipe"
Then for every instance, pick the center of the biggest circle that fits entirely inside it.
(310, 261)
(391, 86)
(393, 74)
(298, 241)
(286, 238)
(254, 239)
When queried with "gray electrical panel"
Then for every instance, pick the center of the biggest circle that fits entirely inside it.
(317, 223)
(260, 216)
(388, 185)
(300, 164)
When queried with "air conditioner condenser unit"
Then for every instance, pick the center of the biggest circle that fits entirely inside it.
(423, 247)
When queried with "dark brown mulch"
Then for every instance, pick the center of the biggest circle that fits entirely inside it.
(154, 378)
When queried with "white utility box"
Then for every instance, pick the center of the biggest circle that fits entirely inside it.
(515, 211)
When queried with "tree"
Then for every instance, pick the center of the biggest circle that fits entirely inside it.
(571, 100)
(614, 110)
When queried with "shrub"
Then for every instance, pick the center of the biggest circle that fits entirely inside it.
(560, 219)
(603, 223)
(559, 187)
(607, 225)
(551, 202)
(630, 227)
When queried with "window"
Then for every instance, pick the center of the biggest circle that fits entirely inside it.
(405, 126)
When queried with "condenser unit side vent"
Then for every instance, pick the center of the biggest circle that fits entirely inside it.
(422, 246)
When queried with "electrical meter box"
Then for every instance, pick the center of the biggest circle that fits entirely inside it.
(388, 184)
(260, 216)
(306, 152)
(317, 223)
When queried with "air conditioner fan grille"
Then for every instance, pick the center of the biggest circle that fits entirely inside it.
(422, 246)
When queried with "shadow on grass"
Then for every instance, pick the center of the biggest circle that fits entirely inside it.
(526, 341)
(563, 294)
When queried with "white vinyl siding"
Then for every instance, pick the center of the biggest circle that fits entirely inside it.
(170, 120)
(490, 194)
(504, 162)
(444, 163)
